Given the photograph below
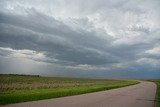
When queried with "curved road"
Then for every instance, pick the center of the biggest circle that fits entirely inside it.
(140, 95)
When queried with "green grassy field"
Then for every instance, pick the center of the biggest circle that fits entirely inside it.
(19, 88)
(158, 92)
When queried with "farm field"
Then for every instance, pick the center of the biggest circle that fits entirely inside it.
(20, 88)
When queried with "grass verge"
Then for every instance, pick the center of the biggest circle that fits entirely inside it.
(157, 93)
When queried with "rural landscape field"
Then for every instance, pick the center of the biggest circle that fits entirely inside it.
(21, 88)
(80, 53)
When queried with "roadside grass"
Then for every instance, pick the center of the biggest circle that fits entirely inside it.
(157, 93)
(15, 88)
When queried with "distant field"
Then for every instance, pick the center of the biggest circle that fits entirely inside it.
(19, 88)
(158, 93)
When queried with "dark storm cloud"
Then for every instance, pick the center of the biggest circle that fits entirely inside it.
(41, 33)
(104, 35)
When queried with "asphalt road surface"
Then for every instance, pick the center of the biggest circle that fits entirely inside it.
(140, 95)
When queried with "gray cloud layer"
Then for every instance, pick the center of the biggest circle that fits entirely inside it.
(80, 38)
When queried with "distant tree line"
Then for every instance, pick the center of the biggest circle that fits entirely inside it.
(19, 75)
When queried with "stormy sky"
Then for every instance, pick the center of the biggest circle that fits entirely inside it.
(80, 38)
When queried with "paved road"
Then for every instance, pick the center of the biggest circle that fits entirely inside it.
(140, 95)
